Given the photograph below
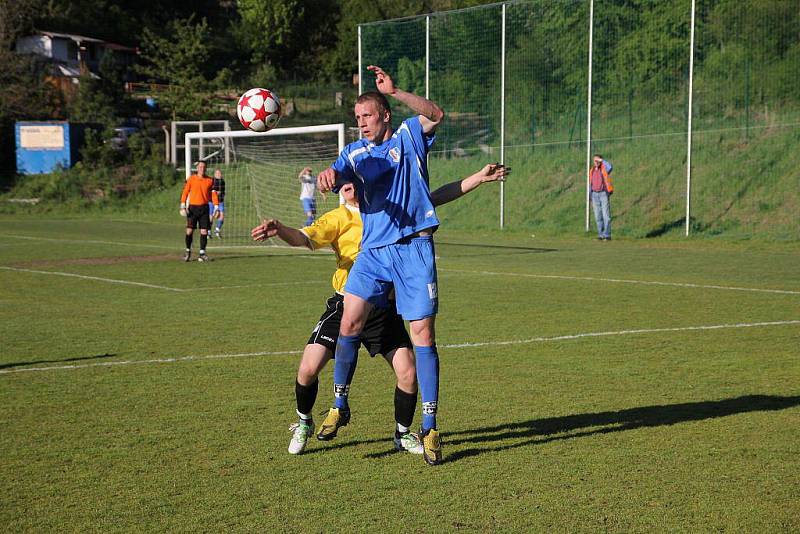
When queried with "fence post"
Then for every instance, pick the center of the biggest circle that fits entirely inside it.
(689, 126)
(589, 113)
(427, 56)
(503, 115)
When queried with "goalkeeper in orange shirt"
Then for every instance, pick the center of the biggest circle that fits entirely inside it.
(384, 332)
(195, 199)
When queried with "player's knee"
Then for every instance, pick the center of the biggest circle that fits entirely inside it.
(422, 334)
(351, 326)
(307, 373)
(407, 379)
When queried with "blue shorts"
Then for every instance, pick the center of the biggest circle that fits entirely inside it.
(309, 204)
(211, 207)
(408, 266)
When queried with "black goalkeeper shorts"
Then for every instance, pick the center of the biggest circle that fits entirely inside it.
(383, 332)
(198, 215)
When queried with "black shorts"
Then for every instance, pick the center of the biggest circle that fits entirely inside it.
(198, 215)
(383, 332)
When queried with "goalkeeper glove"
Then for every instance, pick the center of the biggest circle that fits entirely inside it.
(183, 211)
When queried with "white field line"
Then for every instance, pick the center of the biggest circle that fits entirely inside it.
(93, 242)
(259, 250)
(623, 281)
(312, 282)
(467, 345)
(96, 278)
(153, 286)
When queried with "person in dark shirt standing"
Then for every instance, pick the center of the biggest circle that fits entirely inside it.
(218, 186)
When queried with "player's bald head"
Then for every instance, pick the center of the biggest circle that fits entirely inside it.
(381, 104)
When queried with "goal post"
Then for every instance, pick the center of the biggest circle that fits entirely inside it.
(261, 174)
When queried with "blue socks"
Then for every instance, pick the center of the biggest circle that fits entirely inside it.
(344, 368)
(428, 378)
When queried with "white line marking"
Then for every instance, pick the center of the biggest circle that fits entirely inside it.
(618, 333)
(622, 281)
(160, 360)
(153, 286)
(97, 278)
(448, 346)
(257, 285)
(91, 242)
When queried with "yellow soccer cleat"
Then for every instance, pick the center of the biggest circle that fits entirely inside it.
(432, 446)
(335, 420)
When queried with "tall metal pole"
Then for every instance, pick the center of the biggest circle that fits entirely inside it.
(360, 67)
(503, 116)
(427, 56)
(589, 113)
(689, 127)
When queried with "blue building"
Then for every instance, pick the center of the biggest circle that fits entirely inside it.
(43, 146)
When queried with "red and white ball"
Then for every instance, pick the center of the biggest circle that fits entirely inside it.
(259, 109)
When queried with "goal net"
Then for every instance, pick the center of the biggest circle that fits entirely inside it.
(262, 174)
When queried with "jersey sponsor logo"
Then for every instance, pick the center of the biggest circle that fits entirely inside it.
(432, 291)
(429, 408)
(395, 154)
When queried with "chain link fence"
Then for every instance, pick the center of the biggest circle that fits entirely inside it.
(695, 102)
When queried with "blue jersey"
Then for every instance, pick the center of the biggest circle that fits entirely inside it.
(392, 184)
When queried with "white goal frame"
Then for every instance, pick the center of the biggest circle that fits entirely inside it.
(192, 136)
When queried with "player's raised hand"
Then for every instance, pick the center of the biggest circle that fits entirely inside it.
(268, 228)
(494, 172)
(383, 81)
(326, 180)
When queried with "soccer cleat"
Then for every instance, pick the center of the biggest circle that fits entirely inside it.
(203, 257)
(187, 256)
(408, 442)
(432, 446)
(300, 433)
(335, 420)
(217, 234)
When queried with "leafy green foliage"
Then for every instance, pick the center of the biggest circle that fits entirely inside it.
(180, 59)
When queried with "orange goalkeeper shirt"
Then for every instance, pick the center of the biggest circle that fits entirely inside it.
(198, 191)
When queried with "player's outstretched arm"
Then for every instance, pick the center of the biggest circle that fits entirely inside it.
(273, 227)
(431, 115)
(493, 172)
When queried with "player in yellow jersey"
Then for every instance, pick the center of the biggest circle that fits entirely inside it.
(384, 332)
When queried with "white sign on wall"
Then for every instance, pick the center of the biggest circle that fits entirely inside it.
(41, 136)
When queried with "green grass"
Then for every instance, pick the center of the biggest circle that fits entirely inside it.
(689, 430)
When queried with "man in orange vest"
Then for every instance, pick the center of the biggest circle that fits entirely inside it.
(194, 206)
(601, 191)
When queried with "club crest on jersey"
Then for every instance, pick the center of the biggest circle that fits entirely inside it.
(395, 154)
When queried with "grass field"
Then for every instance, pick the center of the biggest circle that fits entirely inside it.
(634, 385)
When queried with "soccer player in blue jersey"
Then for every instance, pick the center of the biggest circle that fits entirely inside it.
(389, 169)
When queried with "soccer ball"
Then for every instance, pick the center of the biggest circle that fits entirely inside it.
(259, 110)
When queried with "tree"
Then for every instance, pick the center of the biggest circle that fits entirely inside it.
(290, 35)
(182, 62)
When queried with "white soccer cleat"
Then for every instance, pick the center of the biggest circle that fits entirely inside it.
(300, 434)
(409, 442)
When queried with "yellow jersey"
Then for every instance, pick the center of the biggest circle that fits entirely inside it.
(341, 229)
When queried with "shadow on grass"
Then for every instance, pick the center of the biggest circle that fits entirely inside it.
(540, 431)
(576, 426)
(22, 364)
